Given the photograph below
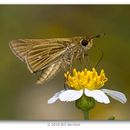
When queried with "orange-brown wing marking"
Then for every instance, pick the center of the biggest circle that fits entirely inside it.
(45, 53)
(20, 48)
(49, 72)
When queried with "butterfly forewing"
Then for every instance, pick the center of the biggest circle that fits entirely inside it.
(43, 55)
(20, 48)
(39, 53)
(41, 61)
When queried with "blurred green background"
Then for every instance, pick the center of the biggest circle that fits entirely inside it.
(21, 99)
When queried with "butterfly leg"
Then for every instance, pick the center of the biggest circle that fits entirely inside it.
(81, 57)
(65, 87)
(64, 66)
(65, 63)
(64, 79)
(100, 58)
(88, 63)
(71, 63)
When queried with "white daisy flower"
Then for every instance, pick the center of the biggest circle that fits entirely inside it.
(87, 83)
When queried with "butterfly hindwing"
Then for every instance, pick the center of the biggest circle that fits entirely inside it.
(49, 72)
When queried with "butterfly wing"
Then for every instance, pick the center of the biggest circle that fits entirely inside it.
(20, 48)
(39, 53)
(49, 72)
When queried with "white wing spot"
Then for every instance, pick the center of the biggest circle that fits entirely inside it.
(39, 57)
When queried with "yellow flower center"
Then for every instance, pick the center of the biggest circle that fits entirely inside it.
(85, 79)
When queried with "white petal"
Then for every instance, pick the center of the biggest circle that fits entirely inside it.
(55, 97)
(70, 95)
(98, 95)
(116, 95)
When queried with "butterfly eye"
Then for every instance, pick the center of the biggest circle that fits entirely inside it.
(84, 42)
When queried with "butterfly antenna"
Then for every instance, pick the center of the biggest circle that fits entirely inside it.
(98, 36)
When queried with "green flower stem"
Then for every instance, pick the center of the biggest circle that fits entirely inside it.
(86, 115)
(85, 104)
